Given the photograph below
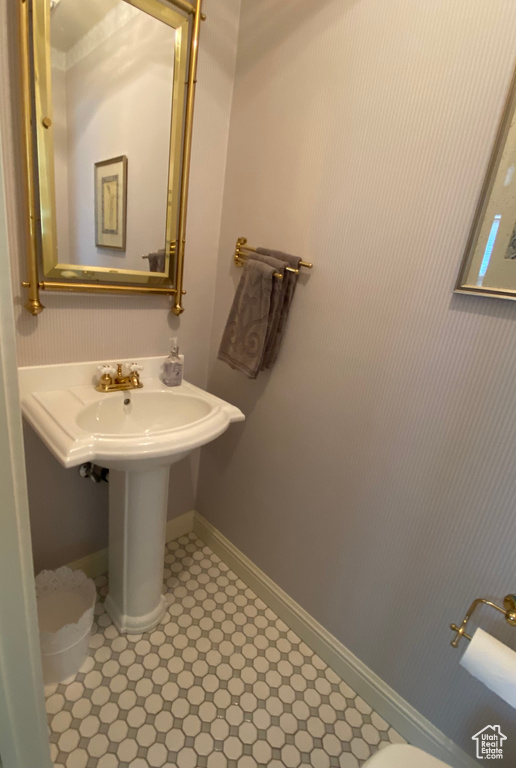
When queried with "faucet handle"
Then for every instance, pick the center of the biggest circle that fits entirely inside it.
(135, 367)
(106, 369)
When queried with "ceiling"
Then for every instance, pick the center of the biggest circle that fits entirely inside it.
(72, 19)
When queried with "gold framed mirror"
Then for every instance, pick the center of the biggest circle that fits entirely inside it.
(109, 91)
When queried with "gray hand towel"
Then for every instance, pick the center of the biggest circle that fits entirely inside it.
(277, 301)
(157, 261)
(290, 281)
(245, 334)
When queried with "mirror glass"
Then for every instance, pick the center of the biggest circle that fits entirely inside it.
(114, 90)
(490, 263)
(493, 261)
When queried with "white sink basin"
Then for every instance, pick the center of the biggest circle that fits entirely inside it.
(159, 426)
(148, 413)
(137, 434)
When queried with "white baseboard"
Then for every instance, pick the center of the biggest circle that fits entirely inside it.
(97, 563)
(393, 708)
(93, 565)
(179, 526)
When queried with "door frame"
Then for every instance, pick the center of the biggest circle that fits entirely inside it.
(23, 725)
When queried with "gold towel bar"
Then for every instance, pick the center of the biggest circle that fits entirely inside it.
(242, 251)
(509, 611)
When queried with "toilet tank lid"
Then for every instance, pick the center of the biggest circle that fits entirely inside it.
(403, 756)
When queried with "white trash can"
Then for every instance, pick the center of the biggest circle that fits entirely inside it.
(66, 603)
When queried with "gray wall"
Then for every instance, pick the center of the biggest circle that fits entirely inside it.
(374, 479)
(68, 514)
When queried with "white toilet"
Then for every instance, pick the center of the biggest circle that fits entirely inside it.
(403, 756)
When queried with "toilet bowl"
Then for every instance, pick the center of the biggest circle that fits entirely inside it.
(403, 756)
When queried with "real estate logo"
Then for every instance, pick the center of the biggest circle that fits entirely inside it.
(489, 742)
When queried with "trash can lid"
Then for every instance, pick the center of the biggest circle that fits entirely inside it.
(403, 756)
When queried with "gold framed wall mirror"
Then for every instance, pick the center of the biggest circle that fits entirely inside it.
(108, 98)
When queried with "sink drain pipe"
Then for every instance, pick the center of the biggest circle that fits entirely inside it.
(95, 473)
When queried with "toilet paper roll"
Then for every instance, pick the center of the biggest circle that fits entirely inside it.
(493, 663)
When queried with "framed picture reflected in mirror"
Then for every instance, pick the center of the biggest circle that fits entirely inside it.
(111, 203)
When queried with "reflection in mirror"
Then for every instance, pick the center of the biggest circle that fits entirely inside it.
(489, 265)
(112, 72)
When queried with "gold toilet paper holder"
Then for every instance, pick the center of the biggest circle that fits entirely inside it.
(508, 610)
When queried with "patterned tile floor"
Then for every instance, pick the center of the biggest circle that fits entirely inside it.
(221, 683)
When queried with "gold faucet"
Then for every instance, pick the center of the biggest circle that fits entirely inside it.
(113, 379)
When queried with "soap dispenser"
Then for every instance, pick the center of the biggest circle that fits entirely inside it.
(172, 375)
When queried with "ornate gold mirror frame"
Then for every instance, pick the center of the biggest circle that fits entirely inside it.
(38, 150)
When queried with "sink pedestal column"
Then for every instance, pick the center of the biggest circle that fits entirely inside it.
(137, 521)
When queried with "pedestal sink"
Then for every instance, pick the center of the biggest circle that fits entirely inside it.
(137, 435)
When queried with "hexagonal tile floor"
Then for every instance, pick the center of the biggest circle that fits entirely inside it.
(221, 683)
